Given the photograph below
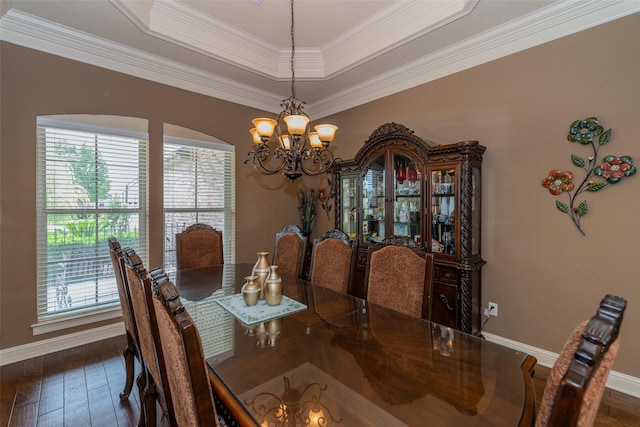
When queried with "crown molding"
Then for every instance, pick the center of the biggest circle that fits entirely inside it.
(181, 24)
(188, 27)
(35, 33)
(537, 28)
(185, 26)
(372, 38)
(138, 12)
(543, 26)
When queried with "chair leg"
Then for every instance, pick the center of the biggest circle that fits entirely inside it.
(151, 396)
(141, 381)
(129, 354)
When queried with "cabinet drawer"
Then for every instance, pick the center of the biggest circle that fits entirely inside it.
(445, 274)
(444, 305)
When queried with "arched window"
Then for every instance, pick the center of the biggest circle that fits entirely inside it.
(92, 184)
(199, 186)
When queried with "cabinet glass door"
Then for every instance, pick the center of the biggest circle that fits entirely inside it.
(373, 202)
(349, 205)
(406, 197)
(443, 210)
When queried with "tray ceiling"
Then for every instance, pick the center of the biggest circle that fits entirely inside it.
(347, 52)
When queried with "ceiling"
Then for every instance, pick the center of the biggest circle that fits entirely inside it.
(347, 52)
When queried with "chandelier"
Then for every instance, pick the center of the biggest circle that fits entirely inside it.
(297, 150)
(294, 408)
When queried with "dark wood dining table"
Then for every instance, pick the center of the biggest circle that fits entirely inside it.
(353, 362)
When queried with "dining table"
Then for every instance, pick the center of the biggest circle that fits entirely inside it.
(326, 358)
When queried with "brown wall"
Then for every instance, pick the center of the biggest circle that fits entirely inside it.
(544, 275)
(35, 83)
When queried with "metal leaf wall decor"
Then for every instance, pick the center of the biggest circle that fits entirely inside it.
(610, 170)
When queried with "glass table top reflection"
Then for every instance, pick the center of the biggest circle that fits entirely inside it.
(344, 361)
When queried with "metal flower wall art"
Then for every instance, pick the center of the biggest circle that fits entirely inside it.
(611, 170)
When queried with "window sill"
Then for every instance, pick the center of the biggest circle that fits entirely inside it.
(79, 319)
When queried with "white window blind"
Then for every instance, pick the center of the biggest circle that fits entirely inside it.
(199, 186)
(92, 184)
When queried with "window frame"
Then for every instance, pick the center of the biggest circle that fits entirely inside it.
(48, 321)
(229, 210)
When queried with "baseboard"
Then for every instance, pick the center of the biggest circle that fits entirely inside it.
(51, 345)
(617, 381)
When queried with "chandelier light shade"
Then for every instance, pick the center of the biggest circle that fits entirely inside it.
(286, 144)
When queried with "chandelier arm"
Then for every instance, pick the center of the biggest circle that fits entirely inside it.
(313, 402)
(322, 421)
(297, 410)
(262, 410)
(323, 156)
(260, 155)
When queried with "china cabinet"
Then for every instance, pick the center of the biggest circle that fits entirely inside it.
(401, 185)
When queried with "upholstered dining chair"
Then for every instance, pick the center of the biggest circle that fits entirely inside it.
(191, 383)
(289, 251)
(400, 278)
(182, 350)
(131, 349)
(199, 245)
(577, 380)
(333, 259)
(152, 382)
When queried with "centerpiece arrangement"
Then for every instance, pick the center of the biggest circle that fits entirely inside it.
(262, 295)
(263, 284)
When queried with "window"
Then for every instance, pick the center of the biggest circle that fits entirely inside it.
(92, 184)
(199, 186)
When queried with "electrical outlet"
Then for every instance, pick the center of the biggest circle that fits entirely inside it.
(493, 309)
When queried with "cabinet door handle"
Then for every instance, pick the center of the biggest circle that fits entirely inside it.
(445, 300)
(447, 275)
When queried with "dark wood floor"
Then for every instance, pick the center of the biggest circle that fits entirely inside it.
(74, 387)
(81, 387)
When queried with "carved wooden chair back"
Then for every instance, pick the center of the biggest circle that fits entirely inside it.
(400, 278)
(199, 245)
(400, 241)
(577, 380)
(289, 251)
(153, 381)
(188, 377)
(131, 349)
(333, 261)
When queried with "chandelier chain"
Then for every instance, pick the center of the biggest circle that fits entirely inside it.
(298, 150)
(293, 50)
